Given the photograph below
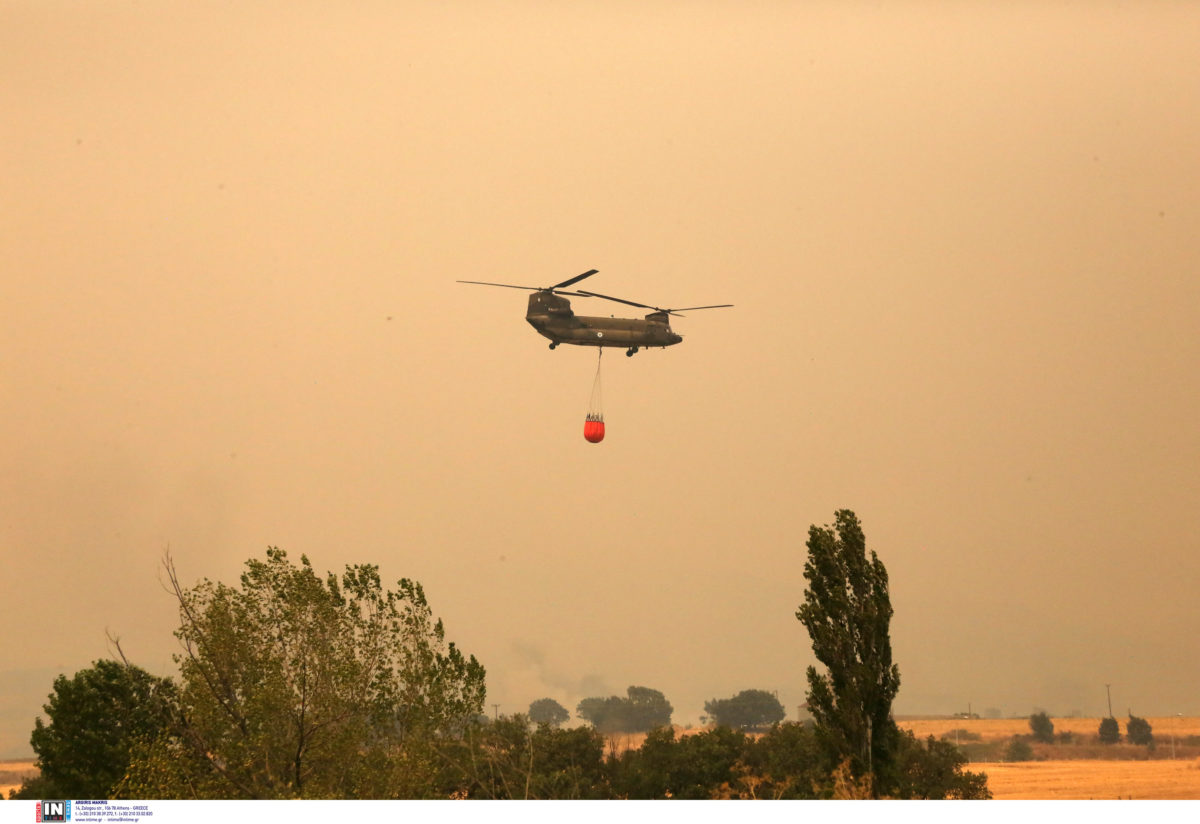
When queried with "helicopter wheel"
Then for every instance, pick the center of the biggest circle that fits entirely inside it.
(629, 353)
(554, 344)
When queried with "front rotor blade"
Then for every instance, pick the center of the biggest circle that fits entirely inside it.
(575, 279)
(527, 288)
(694, 308)
(505, 285)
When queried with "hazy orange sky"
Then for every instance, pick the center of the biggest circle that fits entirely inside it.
(962, 241)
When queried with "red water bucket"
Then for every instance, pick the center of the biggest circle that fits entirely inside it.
(593, 431)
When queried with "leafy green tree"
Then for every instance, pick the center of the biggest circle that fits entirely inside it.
(847, 611)
(504, 759)
(96, 719)
(1139, 731)
(786, 763)
(648, 709)
(607, 715)
(641, 710)
(298, 687)
(548, 711)
(1042, 727)
(748, 710)
(1110, 730)
(1018, 750)
(697, 767)
(933, 770)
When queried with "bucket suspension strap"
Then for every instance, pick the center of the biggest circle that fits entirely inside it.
(596, 408)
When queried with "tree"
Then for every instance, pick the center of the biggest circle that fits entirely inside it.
(1042, 727)
(298, 687)
(648, 709)
(786, 762)
(548, 711)
(1138, 731)
(607, 715)
(96, 719)
(847, 611)
(1018, 750)
(641, 710)
(1110, 730)
(504, 759)
(695, 767)
(932, 770)
(748, 710)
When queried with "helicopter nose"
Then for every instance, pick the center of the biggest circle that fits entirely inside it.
(676, 338)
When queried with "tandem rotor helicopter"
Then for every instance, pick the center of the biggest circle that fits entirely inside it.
(550, 314)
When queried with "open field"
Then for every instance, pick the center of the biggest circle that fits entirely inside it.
(1091, 779)
(1080, 770)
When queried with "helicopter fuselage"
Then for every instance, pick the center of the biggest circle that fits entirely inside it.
(551, 316)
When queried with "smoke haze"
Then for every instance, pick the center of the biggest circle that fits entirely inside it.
(962, 244)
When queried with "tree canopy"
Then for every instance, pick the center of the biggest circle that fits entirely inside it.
(96, 719)
(548, 711)
(1042, 727)
(1110, 731)
(505, 759)
(1139, 731)
(298, 687)
(642, 709)
(748, 710)
(847, 611)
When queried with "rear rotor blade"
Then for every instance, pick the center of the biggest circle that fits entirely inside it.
(694, 308)
(620, 300)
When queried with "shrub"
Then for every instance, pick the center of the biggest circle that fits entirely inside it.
(1110, 731)
(1138, 731)
(1018, 750)
(1042, 727)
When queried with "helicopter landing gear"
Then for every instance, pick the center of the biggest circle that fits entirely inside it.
(631, 351)
(554, 344)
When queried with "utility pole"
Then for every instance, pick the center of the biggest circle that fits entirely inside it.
(1108, 689)
(1173, 725)
(496, 710)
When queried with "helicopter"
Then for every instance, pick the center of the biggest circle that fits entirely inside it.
(550, 314)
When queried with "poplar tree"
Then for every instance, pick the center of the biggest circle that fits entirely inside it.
(847, 611)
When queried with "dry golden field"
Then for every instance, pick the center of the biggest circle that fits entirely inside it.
(1160, 780)
(1085, 770)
